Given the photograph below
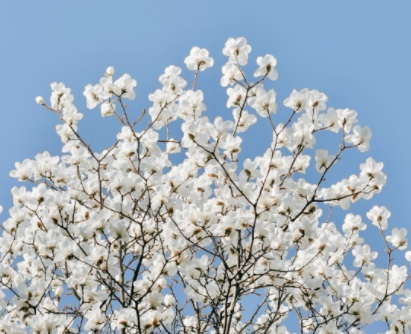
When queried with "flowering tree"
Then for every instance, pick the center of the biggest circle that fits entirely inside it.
(125, 241)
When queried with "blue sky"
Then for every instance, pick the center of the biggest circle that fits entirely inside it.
(357, 52)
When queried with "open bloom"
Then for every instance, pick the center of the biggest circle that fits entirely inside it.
(237, 50)
(198, 60)
(297, 100)
(323, 160)
(231, 73)
(398, 238)
(126, 86)
(264, 102)
(379, 216)
(266, 67)
(94, 95)
(361, 137)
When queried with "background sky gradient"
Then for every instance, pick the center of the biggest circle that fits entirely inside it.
(357, 52)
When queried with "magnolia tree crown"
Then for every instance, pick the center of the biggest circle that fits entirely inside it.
(130, 241)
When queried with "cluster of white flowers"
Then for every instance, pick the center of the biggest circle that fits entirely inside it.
(125, 241)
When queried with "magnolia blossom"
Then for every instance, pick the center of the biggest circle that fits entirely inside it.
(398, 238)
(39, 100)
(109, 71)
(323, 160)
(184, 226)
(237, 50)
(346, 118)
(316, 101)
(330, 120)
(126, 86)
(266, 67)
(379, 216)
(108, 109)
(361, 138)
(264, 102)
(94, 95)
(198, 60)
(245, 120)
(231, 73)
(237, 96)
(298, 100)
(60, 96)
(363, 255)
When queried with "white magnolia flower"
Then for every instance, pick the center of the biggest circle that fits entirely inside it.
(361, 138)
(125, 85)
(398, 238)
(266, 67)
(198, 60)
(231, 73)
(237, 50)
(298, 100)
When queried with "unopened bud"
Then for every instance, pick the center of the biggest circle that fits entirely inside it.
(107, 109)
(110, 71)
(59, 291)
(161, 283)
(169, 300)
(39, 100)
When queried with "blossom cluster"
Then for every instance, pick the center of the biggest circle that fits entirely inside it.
(128, 241)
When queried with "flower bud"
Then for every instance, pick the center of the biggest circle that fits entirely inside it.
(110, 71)
(59, 291)
(161, 283)
(39, 100)
(107, 109)
(169, 300)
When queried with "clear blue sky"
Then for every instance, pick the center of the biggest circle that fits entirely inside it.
(357, 52)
